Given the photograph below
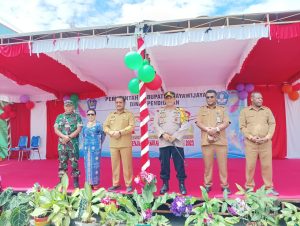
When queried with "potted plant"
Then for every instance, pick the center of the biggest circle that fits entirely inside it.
(140, 208)
(257, 208)
(89, 204)
(35, 193)
(209, 213)
(58, 204)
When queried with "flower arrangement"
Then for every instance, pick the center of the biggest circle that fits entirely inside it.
(182, 206)
(140, 208)
(253, 208)
(108, 206)
(256, 208)
(208, 213)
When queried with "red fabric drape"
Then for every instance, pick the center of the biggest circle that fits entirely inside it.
(20, 125)
(14, 50)
(274, 99)
(285, 31)
(54, 108)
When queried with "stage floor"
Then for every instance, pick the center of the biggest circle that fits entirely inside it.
(22, 175)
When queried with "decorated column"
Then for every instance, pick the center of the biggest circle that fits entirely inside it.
(144, 116)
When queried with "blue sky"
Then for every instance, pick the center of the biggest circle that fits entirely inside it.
(43, 15)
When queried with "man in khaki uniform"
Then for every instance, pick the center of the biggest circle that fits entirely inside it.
(119, 126)
(257, 123)
(213, 120)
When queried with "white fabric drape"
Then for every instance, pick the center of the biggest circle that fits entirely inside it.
(292, 109)
(38, 127)
(82, 43)
(241, 32)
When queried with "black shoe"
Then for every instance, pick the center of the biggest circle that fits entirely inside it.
(76, 182)
(129, 189)
(164, 188)
(207, 188)
(114, 188)
(227, 190)
(182, 188)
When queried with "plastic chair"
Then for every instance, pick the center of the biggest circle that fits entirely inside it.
(34, 147)
(22, 144)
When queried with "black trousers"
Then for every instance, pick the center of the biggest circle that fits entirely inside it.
(165, 154)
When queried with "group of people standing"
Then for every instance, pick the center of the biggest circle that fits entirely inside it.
(171, 123)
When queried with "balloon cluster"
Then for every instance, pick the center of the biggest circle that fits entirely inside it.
(244, 90)
(74, 98)
(7, 113)
(292, 91)
(26, 100)
(145, 72)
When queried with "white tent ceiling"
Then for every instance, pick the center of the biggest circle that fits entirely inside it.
(198, 58)
(11, 91)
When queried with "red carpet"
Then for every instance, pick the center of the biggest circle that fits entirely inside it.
(22, 175)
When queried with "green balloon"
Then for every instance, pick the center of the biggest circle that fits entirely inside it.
(146, 73)
(133, 60)
(133, 86)
(146, 62)
(74, 98)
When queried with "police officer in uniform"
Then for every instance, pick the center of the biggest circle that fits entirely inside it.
(171, 124)
(257, 123)
(213, 120)
(67, 126)
(119, 126)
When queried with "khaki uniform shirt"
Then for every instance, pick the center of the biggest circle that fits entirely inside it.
(123, 122)
(212, 117)
(171, 121)
(259, 122)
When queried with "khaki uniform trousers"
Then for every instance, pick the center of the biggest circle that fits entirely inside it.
(264, 153)
(208, 157)
(124, 154)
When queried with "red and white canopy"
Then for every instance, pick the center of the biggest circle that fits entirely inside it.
(264, 54)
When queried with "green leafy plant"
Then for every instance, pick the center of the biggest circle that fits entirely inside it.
(208, 213)
(89, 203)
(140, 208)
(108, 206)
(15, 208)
(57, 204)
(290, 214)
(258, 208)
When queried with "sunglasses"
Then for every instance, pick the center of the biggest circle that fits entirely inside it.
(90, 114)
(210, 97)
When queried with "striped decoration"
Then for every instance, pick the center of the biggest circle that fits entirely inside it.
(144, 116)
(8, 134)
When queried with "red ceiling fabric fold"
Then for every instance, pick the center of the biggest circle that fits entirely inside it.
(273, 61)
(42, 72)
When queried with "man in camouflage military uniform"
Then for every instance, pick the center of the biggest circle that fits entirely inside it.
(213, 120)
(67, 126)
(257, 123)
(119, 126)
(171, 124)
